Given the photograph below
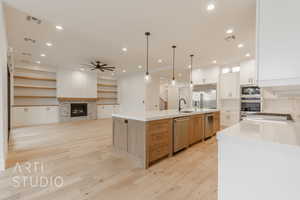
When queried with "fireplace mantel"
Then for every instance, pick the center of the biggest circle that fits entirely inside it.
(76, 99)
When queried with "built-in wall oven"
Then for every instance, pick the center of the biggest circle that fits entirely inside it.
(251, 100)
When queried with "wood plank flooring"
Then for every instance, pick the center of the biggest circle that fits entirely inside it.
(81, 153)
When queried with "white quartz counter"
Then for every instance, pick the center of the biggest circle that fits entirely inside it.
(279, 132)
(157, 115)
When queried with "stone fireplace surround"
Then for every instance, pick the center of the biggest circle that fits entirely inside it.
(65, 110)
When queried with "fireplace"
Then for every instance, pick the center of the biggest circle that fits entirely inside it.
(79, 109)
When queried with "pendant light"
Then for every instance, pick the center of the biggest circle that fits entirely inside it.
(173, 78)
(147, 76)
(191, 83)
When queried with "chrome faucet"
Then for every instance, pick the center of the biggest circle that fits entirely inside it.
(179, 104)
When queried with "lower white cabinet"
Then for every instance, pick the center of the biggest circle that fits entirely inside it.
(35, 115)
(229, 118)
(106, 111)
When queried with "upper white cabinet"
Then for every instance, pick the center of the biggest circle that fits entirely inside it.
(248, 73)
(206, 75)
(278, 42)
(230, 85)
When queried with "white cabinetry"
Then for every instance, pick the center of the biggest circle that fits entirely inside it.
(248, 73)
(206, 75)
(28, 116)
(106, 111)
(230, 86)
(278, 43)
(229, 118)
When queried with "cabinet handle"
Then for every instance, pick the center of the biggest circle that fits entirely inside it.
(126, 121)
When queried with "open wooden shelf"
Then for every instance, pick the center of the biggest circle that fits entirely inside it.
(107, 92)
(34, 87)
(108, 104)
(34, 70)
(35, 78)
(16, 106)
(106, 85)
(106, 98)
(106, 79)
(36, 97)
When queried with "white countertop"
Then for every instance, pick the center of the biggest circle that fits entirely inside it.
(157, 115)
(279, 132)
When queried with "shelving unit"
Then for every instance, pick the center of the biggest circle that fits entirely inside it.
(34, 88)
(107, 92)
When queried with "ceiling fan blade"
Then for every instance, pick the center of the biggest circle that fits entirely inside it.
(93, 68)
(109, 68)
(93, 63)
(87, 65)
(103, 65)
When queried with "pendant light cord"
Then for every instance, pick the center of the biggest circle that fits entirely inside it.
(147, 52)
(174, 47)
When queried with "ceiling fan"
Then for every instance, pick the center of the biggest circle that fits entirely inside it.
(100, 66)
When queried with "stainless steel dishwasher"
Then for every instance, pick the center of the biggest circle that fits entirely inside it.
(209, 125)
(181, 133)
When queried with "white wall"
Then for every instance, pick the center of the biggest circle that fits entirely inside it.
(3, 90)
(76, 84)
(132, 93)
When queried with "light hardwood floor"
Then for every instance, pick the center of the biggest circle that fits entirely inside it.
(81, 153)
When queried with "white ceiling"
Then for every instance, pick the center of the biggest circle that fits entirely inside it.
(101, 28)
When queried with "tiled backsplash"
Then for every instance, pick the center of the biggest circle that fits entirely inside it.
(283, 105)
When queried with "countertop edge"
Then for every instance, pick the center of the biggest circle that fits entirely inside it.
(167, 116)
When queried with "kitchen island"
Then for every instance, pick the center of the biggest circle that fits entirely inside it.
(151, 136)
(259, 160)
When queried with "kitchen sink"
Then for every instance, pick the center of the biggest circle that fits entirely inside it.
(186, 111)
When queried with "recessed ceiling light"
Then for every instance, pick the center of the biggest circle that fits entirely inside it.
(214, 61)
(240, 45)
(189, 66)
(49, 44)
(124, 49)
(210, 7)
(58, 27)
(248, 55)
(81, 69)
(229, 31)
(140, 66)
(38, 62)
(160, 61)
(43, 55)
(124, 71)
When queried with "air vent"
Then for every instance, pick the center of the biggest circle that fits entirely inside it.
(26, 54)
(27, 39)
(230, 38)
(34, 19)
